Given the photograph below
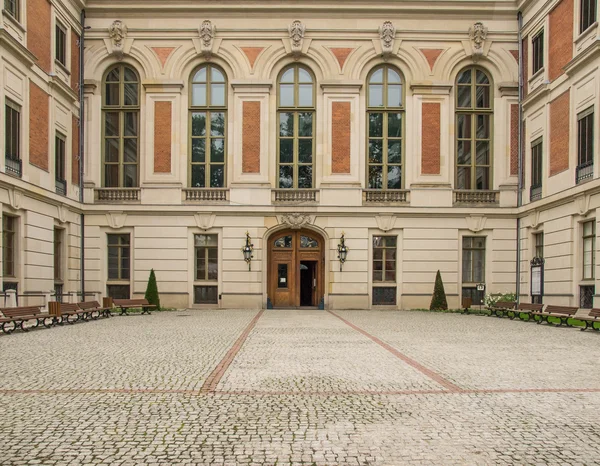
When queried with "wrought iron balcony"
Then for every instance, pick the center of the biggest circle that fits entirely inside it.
(535, 192)
(380, 196)
(117, 194)
(584, 172)
(13, 167)
(206, 194)
(474, 196)
(295, 195)
(61, 187)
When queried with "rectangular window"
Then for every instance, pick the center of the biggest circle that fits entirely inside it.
(58, 255)
(536, 170)
(12, 146)
(587, 15)
(61, 44)
(589, 250)
(586, 296)
(118, 257)
(59, 164)
(585, 146)
(538, 239)
(473, 267)
(384, 270)
(8, 245)
(538, 52)
(12, 8)
(207, 269)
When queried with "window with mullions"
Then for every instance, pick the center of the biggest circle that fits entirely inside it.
(385, 115)
(585, 145)
(8, 245)
(12, 142)
(121, 117)
(61, 44)
(538, 239)
(537, 44)
(587, 14)
(589, 250)
(296, 128)
(118, 257)
(474, 114)
(384, 270)
(12, 8)
(207, 269)
(536, 170)
(58, 255)
(208, 115)
(59, 164)
(473, 267)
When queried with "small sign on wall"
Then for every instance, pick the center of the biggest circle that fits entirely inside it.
(537, 277)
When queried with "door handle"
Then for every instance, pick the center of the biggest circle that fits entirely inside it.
(314, 283)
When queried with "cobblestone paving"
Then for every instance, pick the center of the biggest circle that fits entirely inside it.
(304, 387)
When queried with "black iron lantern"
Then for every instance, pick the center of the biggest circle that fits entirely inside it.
(247, 250)
(342, 250)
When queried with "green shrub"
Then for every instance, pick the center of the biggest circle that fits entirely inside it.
(438, 300)
(490, 299)
(152, 290)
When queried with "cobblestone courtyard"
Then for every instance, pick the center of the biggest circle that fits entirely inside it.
(300, 387)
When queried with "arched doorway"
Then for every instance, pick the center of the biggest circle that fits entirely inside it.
(296, 268)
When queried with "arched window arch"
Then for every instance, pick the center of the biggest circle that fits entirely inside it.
(296, 127)
(208, 127)
(474, 113)
(121, 127)
(385, 128)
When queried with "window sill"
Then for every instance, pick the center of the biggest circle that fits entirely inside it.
(62, 67)
(583, 35)
(13, 21)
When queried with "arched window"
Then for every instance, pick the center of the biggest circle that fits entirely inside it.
(121, 127)
(385, 127)
(208, 117)
(296, 121)
(474, 112)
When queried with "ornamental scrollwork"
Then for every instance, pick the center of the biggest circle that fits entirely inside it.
(387, 34)
(296, 31)
(478, 35)
(207, 35)
(117, 32)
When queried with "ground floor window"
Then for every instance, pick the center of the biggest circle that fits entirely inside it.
(586, 296)
(206, 269)
(384, 270)
(119, 266)
(473, 267)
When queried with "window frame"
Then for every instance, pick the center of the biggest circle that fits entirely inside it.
(385, 138)
(59, 234)
(472, 272)
(120, 245)
(11, 108)
(537, 168)
(537, 52)
(587, 21)
(591, 238)
(60, 157)
(60, 46)
(208, 110)
(585, 144)
(121, 109)
(296, 110)
(538, 244)
(206, 281)
(14, 12)
(384, 283)
(9, 235)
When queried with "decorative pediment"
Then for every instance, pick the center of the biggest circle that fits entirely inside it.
(117, 33)
(296, 32)
(582, 204)
(478, 35)
(385, 222)
(205, 221)
(387, 35)
(116, 220)
(476, 223)
(295, 220)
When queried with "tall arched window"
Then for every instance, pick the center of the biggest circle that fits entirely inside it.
(121, 127)
(385, 126)
(474, 112)
(208, 116)
(296, 121)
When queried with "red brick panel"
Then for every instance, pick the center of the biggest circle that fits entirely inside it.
(514, 139)
(74, 61)
(39, 33)
(560, 50)
(75, 150)
(163, 53)
(340, 137)
(252, 54)
(430, 139)
(515, 54)
(432, 55)
(341, 55)
(559, 134)
(251, 137)
(162, 137)
(39, 109)
(525, 46)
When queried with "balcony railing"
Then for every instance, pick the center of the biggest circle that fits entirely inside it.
(61, 187)
(295, 195)
(476, 197)
(117, 194)
(378, 196)
(535, 192)
(206, 194)
(13, 167)
(584, 172)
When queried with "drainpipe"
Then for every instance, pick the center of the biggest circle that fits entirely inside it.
(81, 158)
(520, 156)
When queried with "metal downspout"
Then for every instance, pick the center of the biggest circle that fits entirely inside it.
(81, 158)
(520, 157)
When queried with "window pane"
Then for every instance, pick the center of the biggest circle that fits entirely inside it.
(286, 151)
(111, 127)
(305, 176)
(375, 95)
(394, 96)
(130, 75)
(465, 77)
(286, 124)
(463, 177)
(394, 177)
(482, 78)
(304, 76)
(393, 76)
(130, 175)
(464, 96)
(305, 124)
(213, 267)
(217, 124)
(284, 242)
(111, 150)
(205, 240)
(375, 125)
(375, 151)
(394, 152)
(112, 94)
(131, 124)
(286, 176)
(199, 95)
(217, 150)
(390, 241)
(217, 94)
(216, 76)
(282, 276)
(375, 177)
(305, 150)
(288, 76)
(198, 172)
(131, 94)
(286, 95)
(377, 76)
(217, 176)
(198, 124)
(198, 150)
(130, 150)
(200, 75)
(111, 176)
(483, 97)
(394, 125)
(483, 180)
(384, 295)
(463, 126)
(305, 95)
(206, 295)
(483, 126)
(463, 152)
(483, 153)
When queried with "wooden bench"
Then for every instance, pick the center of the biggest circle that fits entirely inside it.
(564, 313)
(502, 308)
(94, 307)
(526, 309)
(591, 319)
(19, 315)
(67, 311)
(126, 304)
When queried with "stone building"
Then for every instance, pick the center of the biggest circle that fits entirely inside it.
(392, 124)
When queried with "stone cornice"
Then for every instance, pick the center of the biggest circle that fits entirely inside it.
(162, 86)
(16, 47)
(426, 88)
(341, 87)
(251, 86)
(590, 54)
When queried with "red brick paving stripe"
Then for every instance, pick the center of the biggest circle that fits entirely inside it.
(411, 362)
(210, 384)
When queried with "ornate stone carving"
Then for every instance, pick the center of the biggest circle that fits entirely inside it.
(387, 34)
(385, 222)
(296, 31)
(117, 33)
(583, 204)
(116, 220)
(63, 211)
(476, 223)
(296, 220)
(205, 221)
(534, 219)
(15, 198)
(207, 35)
(478, 34)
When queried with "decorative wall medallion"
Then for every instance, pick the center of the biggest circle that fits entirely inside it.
(534, 219)
(116, 220)
(207, 36)
(476, 223)
(296, 31)
(387, 34)
(385, 222)
(296, 220)
(15, 197)
(582, 203)
(63, 211)
(478, 34)
(205, 220)
(117, 33)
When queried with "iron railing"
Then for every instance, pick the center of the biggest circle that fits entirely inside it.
(13, 167)
(385, 196)
(584, 171)
(117, 194)
(476, 197)
(535, 192)
(61, 187)
(206, 194)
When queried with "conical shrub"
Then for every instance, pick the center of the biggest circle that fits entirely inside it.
(152, 290)
(438, 300)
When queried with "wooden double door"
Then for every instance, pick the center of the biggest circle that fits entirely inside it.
(296, 268)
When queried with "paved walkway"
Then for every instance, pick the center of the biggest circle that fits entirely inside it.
(300, 387)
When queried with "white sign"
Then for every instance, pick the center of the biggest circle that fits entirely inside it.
(480, 287)
(282, 280)
(536, 281)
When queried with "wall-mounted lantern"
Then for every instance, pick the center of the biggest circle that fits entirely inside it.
(247, 250)
(342, 250)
